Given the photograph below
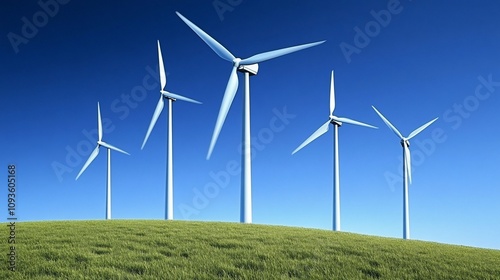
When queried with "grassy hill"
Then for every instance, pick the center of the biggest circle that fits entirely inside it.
(126, 249)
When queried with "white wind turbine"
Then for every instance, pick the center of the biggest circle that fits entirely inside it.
(94, 154)
(169, 195)
(249, 66)
(405, 142)
(337, 122)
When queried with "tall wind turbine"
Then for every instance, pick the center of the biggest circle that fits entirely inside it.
(171, 97)
(94, 154)
(249, 66)
(405, 142)
(337, 122)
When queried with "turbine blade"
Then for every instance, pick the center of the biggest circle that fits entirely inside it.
(227, 100)
(332, 95)
(156, 114)
(163, 77)
(418, 130)
(92, 156)
(99, 123)
(408, 162)
(211, 42)
(389, 124)
(276, 53)
(320, 131)
(109, 146)
(180, 97)
(346, 120)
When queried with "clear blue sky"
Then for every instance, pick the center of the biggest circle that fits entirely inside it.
(427, 60)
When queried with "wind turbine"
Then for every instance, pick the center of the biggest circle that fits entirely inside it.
(249, 66)
(171, 97)
(405, 142)
(94, 154)
(337, 122)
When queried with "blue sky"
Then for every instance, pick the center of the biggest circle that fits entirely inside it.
(413, 60)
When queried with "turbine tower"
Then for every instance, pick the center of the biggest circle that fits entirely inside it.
(336, 122)
(249, 66)
(94, 154)
(405, 142)
(171, 97)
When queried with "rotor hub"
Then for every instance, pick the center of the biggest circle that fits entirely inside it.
(236, 61)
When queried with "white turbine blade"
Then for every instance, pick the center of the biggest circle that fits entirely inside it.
(180, 97)
(163, 77)
(211, 42)
(389, 124)
(99, 123)
(332, 95)
(109, 146)
(418, 130)
(92, 156)
(227, 100)
(320, 131)
(350, 121)
(156, 114)
(407, 162)
(273, 54)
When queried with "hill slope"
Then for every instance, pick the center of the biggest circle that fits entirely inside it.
(126, 249)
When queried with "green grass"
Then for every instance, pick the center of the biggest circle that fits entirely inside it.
(126, 249)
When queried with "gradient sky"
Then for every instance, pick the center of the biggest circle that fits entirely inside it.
(413, 60)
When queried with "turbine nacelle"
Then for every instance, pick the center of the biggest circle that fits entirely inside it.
(252, 69)
(167, 95)
(334, 120)
(405, 142)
